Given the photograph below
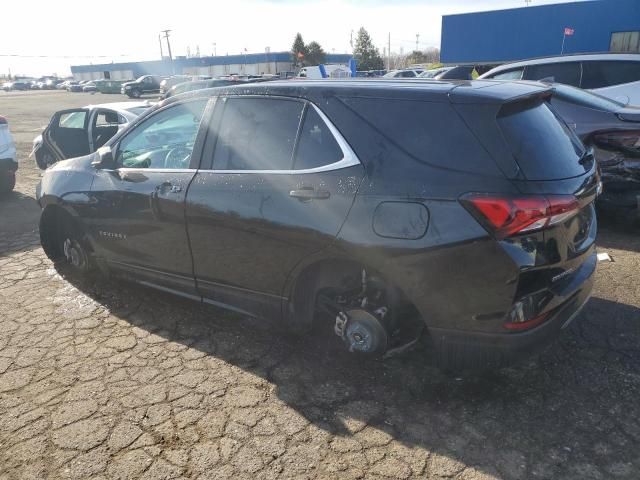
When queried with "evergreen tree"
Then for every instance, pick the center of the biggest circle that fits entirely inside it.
(315, 54)
(299, 51)
(365, 53)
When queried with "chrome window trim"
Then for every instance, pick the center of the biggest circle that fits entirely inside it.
(349, 158)
(153, 170)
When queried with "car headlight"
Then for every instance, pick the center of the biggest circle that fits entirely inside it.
(127, 87)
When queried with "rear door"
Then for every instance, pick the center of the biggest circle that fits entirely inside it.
(276, 184)
(67, 135)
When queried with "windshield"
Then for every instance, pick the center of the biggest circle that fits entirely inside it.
(583, 97)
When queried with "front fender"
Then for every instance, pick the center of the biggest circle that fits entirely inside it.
(66, 183)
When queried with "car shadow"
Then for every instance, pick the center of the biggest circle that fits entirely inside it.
(619, 237)
(19, 214)
(548, 411)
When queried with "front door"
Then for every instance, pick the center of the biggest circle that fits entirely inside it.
(67, 135)
(278, 187)
(137, 224)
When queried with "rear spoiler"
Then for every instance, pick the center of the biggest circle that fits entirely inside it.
(489, 92)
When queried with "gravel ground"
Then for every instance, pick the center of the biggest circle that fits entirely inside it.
(103, 379)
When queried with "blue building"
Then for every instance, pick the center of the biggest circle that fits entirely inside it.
(249, 64)
(521, 33)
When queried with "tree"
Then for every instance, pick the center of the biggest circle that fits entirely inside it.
(315, 54)
(298, 50)
(365, 53)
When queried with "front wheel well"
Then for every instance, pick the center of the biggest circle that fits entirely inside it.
(53, 220)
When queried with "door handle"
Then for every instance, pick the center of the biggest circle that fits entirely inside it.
(168, 187)
(307, 194)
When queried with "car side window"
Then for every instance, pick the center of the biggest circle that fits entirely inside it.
(106, 119)
(316, 145)
(509, 75)
(73, 120)
(164, 140)
(257, 134)
(568, 73)
(608, 73)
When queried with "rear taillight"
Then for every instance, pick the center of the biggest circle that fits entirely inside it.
(621, 140)
(3, 120)
(505, 216)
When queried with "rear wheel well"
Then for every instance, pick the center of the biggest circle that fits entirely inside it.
(333, 276)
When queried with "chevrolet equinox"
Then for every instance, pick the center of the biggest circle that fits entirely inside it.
(374, 209)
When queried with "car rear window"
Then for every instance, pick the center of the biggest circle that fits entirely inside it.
(542, 144)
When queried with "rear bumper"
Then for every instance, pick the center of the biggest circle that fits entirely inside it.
(504, 348)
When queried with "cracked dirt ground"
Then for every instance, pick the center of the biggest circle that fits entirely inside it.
(103, 379)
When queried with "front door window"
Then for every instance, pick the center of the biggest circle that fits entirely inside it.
(165, 140)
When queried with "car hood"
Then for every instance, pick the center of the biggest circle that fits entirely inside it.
(128, 84)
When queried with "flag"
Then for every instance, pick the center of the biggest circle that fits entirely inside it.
(568, 31)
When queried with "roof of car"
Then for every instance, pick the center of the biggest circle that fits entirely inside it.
(567, 58)
(456, 91)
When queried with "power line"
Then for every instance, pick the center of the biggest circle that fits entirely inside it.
(15, 55)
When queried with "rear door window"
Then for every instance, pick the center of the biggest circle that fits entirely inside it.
(542, 144)
(509, 75)
(566, 72)
(257, 134)
(608, 73)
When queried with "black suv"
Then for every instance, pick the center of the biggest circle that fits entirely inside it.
(140, 86)
(367, 208)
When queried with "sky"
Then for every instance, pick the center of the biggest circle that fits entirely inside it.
(42, 37)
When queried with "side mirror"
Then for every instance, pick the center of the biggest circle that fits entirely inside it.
(104, 158)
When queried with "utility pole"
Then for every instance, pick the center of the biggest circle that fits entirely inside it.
(166, 36)
(417, 38)
(160, 42)
(389, 53)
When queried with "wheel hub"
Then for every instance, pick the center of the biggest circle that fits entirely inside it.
(73, 253)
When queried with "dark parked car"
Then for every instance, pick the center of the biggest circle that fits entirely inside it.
(613, 129)
(140, 86)
(370, 208)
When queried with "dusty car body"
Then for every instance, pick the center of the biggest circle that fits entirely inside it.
(81, 131)
(369, 209)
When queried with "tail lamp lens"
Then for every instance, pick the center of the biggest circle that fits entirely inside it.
(505, 216)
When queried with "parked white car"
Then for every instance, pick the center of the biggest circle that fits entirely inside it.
(8, 159)
(81, 131)
(616, 76)
(406, 73)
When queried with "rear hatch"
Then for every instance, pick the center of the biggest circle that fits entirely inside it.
(554, 163)
(550, 227)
